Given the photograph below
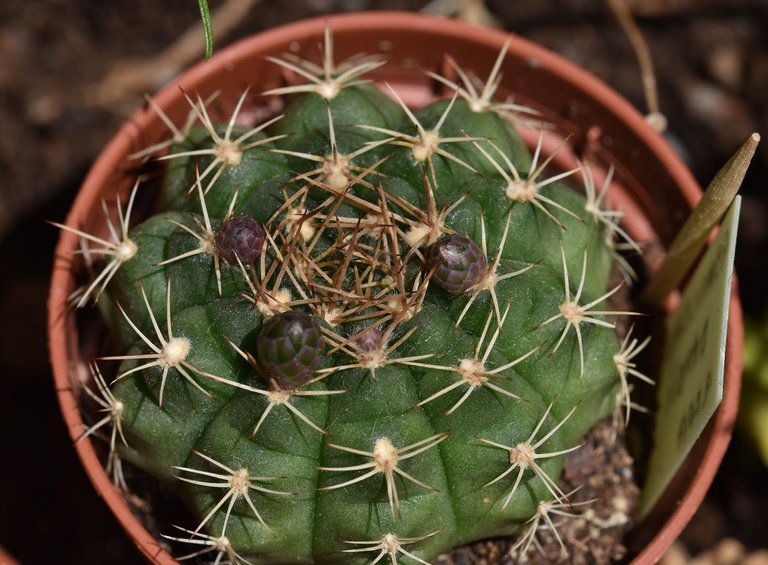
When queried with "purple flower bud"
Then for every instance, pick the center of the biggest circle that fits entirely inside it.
(369, 340)
(241, 237)
(289, 348)
(458, 263)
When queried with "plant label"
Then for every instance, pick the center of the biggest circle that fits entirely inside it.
(691, 373)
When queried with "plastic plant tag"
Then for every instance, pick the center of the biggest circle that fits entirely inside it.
(691, 383)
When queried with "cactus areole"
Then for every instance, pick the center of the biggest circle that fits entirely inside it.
(341, 335)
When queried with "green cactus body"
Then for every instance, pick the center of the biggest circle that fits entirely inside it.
(445, 422)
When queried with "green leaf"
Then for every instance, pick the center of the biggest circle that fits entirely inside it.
(205, 14)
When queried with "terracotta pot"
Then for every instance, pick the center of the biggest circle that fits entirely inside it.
(652, 186)
(6, 559)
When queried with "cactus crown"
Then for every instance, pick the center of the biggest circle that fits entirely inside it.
(359, 331)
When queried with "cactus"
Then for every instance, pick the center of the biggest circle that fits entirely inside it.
(358, 331)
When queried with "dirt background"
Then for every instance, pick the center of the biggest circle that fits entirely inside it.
(712, 70)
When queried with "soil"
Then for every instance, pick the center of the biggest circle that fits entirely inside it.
(712, 69)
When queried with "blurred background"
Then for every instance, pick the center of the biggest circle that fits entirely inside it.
(72, 70)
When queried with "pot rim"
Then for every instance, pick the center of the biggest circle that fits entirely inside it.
(5, 557)
(61, 330)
